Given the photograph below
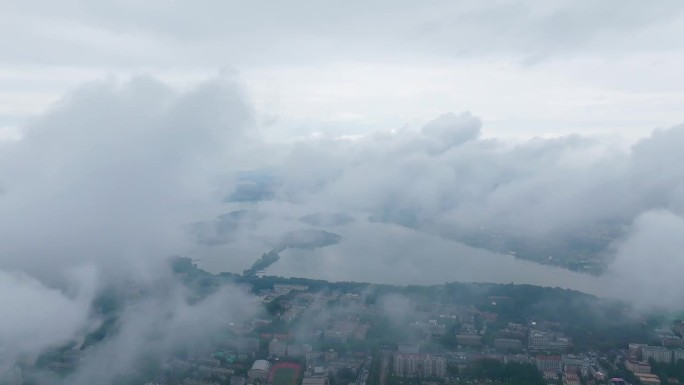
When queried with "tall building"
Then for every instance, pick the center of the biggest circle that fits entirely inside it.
(678, 355)
(419, 365)
(554, 363)
(635, 351)
(657, 353)
(406, 365)
(538, 340)
(434, 366)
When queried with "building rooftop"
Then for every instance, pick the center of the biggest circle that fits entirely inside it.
(261, 365)
(314, 381)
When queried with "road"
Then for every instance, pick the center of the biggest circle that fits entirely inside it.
(384, 366)
(363, 373)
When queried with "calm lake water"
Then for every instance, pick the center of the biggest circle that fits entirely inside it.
(387, 253)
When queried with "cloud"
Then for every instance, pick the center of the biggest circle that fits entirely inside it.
(37, 317)
(563, 200)
(440, 174)
(113, 169)
(453, 130)
(542, 188)
(525, 68)
(107, 33)
(102, 187)
(95, 195)
(557, 199)
(160, 326)
(399, 309)
(648, 261)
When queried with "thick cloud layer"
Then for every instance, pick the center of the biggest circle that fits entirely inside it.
(113, 169)
(526, 68)
(36, 317)
(104, 186)
(160, 326)
(95, 195)
(543, 188)
(649, 263)
(449, 176)
(128, 31)
(567, 197)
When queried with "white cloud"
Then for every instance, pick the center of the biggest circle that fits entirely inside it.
(106, 177)
(648, 264)
(37, 317)
(94, 195)
(526, 68)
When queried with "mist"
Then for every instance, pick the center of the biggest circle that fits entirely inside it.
(119, 175)
(94, 197)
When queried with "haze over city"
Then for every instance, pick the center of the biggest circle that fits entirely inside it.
(401, 143)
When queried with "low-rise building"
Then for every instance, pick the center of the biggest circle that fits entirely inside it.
(541, 341)
(637, 366)
(672, 341)
(554, 363)
(283, 287)
(507, 344)
(469, 339)
(192, 381)
(318, 380)
(538, 341)
(573, 360)
(430, 328)
(648, 379)
(518, 358)
(259, 370)
(571, 379)
(550, 375)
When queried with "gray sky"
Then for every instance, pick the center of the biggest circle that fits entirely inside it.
(126, 120)
(526, 68)
(124, 123)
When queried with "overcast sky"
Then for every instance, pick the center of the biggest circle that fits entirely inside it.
(128, 128)
(527, 68)
(127, 120)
